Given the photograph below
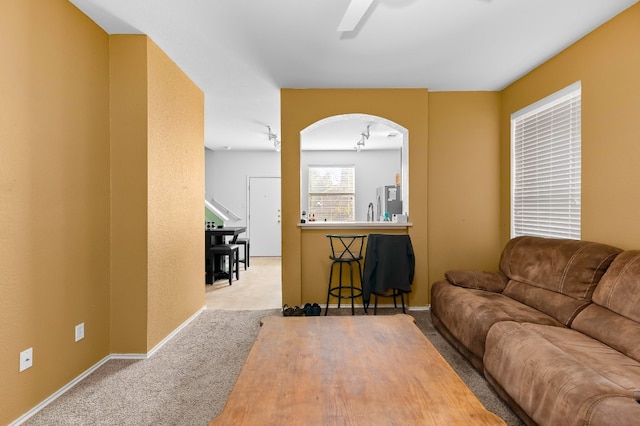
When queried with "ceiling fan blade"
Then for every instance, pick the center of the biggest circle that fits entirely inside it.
(353, 15)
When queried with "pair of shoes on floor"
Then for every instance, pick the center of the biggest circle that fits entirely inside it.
(296, 311)
(312, 310)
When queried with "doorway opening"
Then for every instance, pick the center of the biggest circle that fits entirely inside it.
(260, 285)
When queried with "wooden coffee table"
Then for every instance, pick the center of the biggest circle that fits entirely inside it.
(356, 370)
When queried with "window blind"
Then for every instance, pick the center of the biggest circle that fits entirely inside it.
(332, 193)
(546, 167)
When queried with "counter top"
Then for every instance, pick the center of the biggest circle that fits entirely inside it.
(354, 225)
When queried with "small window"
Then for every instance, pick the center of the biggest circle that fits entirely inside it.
(546, 166)
(331, 193)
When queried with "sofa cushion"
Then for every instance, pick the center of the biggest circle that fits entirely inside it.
(555, 374)
(619, 289)
(614, 316)
(468, 314)
(614, 410)
(561, 307)
(490, 281)
(552, 274)
(619, 332)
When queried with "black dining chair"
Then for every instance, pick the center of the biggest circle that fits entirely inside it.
(389, 267)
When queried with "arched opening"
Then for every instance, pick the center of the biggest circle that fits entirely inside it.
(376, 148)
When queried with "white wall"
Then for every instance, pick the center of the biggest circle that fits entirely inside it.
(373, 169)
(227, 173)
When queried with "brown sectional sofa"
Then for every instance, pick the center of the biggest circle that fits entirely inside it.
(556, 331)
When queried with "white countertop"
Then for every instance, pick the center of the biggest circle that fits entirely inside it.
(354, 225)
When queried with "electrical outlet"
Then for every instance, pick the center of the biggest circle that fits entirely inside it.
(26, 359)
(80, 331)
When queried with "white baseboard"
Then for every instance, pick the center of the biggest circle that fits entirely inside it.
(176, 331)
(420, 308)
(59, 392)
(97, 365)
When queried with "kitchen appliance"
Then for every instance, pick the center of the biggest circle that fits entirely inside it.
(388, 200)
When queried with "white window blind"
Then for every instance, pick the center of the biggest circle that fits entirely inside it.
(546, 166)
(332, 193)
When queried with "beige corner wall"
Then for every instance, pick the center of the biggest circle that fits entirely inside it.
(157, 130)
(175, 196)
(129, 184)
(464, 182)
(54, 213)
(82, 175)
(301, 250)
(607, 61)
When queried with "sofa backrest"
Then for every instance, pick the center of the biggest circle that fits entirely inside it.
(555, 276)
(614, 316)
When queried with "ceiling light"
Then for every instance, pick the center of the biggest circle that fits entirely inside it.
(363, 136)
(273, 137)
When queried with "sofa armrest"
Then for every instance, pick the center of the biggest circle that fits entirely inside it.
(489, 281)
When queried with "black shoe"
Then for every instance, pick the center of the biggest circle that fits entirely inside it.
(315, 310)
(308, 309)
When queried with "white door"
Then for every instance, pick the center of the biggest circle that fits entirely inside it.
(264, 216)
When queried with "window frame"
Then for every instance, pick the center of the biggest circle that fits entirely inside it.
(553, 216)
(312, 195)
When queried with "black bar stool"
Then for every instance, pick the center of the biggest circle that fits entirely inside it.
(345, 249)
(232, 252)
(244, 242)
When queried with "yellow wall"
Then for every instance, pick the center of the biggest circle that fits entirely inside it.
(54, 184)
(158, 185)
(315, 244)
(175, 196)
(301, 108)
(607, 61)
(464, 182)
(129, 203)
(69, 158)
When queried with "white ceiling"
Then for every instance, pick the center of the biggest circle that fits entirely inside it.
(242, 52)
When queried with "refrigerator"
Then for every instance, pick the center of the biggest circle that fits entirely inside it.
(388, 200)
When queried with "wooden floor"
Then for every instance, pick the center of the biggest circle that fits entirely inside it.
(259, 287)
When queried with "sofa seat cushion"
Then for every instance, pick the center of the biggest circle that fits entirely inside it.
(615, 410)
(468, 314)
(558, 375)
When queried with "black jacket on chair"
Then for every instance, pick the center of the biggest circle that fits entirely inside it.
(389, 263)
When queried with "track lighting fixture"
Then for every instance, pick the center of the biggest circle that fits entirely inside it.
(273, 137)
(363, 136)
